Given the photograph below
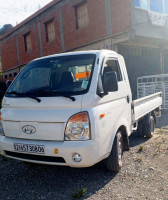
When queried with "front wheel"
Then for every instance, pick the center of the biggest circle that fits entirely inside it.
(114, 161)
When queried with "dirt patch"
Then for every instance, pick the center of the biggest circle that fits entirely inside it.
(144, 175)
(145, 171)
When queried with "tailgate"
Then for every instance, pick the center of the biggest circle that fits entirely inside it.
(145, 105)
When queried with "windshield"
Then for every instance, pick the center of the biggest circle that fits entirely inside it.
(69, 75)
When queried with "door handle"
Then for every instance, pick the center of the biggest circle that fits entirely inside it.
(128, 99)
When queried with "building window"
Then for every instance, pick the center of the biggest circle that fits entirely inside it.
(156, 6)
(27, 42)
(137, 3)
(15, 74)
(166, 6)
(50, 31)
(10, 75)
(159, 6)
(82, 18)
(6, 76)
(144, 4)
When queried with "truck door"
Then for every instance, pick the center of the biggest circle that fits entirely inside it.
(115, 105)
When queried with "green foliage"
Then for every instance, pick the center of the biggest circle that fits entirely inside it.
(141, 148)
(5, 29)
(138, 160)
(158, 144)
(80, 193)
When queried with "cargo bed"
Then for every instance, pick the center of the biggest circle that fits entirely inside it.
(145, 105)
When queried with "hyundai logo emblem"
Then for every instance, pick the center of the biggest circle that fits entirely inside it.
(28, 129)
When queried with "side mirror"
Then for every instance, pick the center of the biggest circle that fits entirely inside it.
(8, 82)
(110, 82)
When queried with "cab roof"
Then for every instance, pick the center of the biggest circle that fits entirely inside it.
(102, 52)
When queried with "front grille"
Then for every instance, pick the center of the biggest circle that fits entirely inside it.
(35, 157)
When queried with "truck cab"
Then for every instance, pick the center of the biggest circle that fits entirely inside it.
(72, 109)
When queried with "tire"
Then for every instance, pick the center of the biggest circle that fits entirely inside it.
(114, 161)
(150, 127)
(146, 126)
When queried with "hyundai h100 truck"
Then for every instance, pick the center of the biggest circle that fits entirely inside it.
(74, 109)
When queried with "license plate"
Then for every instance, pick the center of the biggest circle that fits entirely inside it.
(30, 148)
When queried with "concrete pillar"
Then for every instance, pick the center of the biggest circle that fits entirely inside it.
(40, 39)
(115, 47)
(161, 60)
(61, 28)
(17, 48)
(108, 17)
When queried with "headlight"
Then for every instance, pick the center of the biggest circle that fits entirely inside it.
(78, 127)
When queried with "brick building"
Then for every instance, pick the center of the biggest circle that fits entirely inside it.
(138, 29)
(1, 74)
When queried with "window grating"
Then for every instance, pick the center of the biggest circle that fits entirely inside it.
(27, 42)
(82, 18)
(50, 31)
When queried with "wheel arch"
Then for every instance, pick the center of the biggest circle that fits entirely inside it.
(125, 137)
(123, 126)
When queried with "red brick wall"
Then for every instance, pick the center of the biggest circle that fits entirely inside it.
(35, 52)
(94, 31)
(121, 15)
(9, 53)
(55, 45)
(73, 38)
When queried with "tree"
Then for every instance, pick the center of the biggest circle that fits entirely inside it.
(5, 28)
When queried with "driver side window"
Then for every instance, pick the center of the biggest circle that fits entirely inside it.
(113, 65)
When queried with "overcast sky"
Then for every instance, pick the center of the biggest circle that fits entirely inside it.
(15, 11)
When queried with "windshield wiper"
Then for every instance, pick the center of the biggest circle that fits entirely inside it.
(24, 95)
(52, 93)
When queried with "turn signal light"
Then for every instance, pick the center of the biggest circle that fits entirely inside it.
(102, 115)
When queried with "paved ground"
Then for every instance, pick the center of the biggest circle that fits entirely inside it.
(163, 120)
(144, 176)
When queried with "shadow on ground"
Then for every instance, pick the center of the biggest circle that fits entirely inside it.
(135, 140)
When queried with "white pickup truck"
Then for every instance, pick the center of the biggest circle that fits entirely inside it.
(74, 109)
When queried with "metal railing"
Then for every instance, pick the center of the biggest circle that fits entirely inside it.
(147, 85)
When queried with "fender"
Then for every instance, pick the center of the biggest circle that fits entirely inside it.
(121, 124)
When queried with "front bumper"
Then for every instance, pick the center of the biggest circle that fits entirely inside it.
(87, 149)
